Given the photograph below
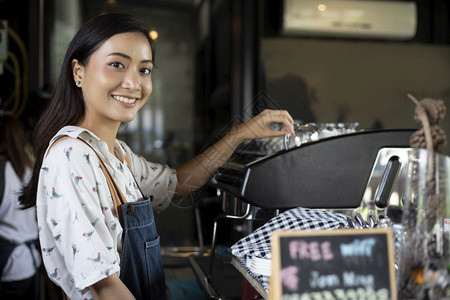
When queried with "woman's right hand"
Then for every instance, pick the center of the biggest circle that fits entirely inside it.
(259, 126)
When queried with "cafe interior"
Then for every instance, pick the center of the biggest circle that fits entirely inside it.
(350, 72)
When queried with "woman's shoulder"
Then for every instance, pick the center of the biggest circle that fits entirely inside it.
(69, 139)
(67, 144)
(68, 151)
(70, 159)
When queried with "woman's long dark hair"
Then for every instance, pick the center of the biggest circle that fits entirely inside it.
(66, 106)
(15, 144)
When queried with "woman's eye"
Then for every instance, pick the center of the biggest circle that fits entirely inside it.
(117, 65)
(146, 71)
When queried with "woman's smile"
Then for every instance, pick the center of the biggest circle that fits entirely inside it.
(125, 99)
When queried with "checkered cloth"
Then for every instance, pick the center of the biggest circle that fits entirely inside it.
(258, 243)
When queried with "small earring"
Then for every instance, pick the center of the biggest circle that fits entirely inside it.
(78, 82)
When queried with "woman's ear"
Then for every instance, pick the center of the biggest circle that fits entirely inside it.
(77, 70)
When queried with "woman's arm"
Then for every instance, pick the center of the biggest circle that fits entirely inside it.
(199, 170)
(110, 288)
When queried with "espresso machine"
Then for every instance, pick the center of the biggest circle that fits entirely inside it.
(334, 173)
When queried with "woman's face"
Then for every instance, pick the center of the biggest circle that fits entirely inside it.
(116, 81)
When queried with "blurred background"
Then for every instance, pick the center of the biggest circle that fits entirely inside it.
(219, 62)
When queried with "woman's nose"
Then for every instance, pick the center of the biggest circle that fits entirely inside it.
(131, 80)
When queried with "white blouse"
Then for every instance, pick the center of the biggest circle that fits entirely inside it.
(17, 226)
(79, 232)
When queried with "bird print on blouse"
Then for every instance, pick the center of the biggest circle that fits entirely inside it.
(55, 194)
(104, 208)
(95, 222)
(54, 275)
(47, 251)
(87, 158)
(120, 167)
(68, 151)
(75, 250)
(95, 189)
(95, 259)
(88, 234)
(53, 222)
(76, 180)
(75, 217)
(113, 226)
(107, 271)
(58, 238)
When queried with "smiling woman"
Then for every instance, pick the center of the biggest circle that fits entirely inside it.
(90, 233)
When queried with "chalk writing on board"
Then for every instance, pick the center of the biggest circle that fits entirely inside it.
(339, 265)
(358, 248)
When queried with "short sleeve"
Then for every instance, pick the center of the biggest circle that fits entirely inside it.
(159, 181)
(75, 216)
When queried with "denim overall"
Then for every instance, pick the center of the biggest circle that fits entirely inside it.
(141, 268)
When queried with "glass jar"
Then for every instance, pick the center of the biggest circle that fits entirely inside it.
(425, 257)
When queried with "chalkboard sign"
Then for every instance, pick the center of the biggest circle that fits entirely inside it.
(333, 264)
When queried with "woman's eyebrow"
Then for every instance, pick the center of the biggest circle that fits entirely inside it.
(128, 57)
